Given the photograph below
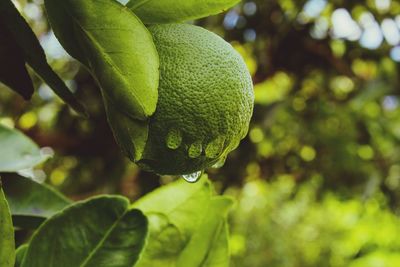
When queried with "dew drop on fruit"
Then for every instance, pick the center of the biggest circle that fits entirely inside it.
(173, 139)
(214, 148)
(195, 150)
(235, 144)
(244, 132)
(193, 177)
(219, 163)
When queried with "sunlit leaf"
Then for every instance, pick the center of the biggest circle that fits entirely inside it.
(187, 226)
(18, 152)
(218, 252)
(7, 246)
(208, 247)
(99, 232)
(183, 203)
(33, 53)
(115, 46)
(30, 202)
(166, 11)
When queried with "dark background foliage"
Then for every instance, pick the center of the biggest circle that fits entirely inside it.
(317, 178)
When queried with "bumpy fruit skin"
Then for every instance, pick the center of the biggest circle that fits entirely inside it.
(205, 101)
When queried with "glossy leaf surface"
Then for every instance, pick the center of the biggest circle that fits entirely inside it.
(100, 232)
(186, 224)
(115, 46)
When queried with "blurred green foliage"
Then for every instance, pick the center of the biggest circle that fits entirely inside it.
(284, 224)
(317, 179)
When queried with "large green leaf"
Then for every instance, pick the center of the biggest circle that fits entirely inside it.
(100, 232)
(31, 203)
(115, 46)
(7, 246)
(33, 53)
(187, 226)
(13, 72)
(181, 202)
(17, 151)
(167, 11)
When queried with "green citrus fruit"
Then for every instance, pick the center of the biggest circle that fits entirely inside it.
(205, 101)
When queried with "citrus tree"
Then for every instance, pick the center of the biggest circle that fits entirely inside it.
(178, 99)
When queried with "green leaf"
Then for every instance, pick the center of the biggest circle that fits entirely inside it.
(20, 254)
(13, 72)
(208, 247)
(219, 253)
(31, 203)
(164, 244)
(187, 226)
(17, 151)
(7, 246)
(181, 202)
(98, 232)
(115, 46)
(173, 211)
(34, 55)
(167, 11)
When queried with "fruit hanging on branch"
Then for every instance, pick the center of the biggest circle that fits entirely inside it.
(178, 97)
(205, 101)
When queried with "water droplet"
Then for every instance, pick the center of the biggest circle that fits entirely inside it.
(193, 177)
(214, 148)
(174, 139)
(234, 144)
(220, 162)
(244, 132)
(195, 150)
